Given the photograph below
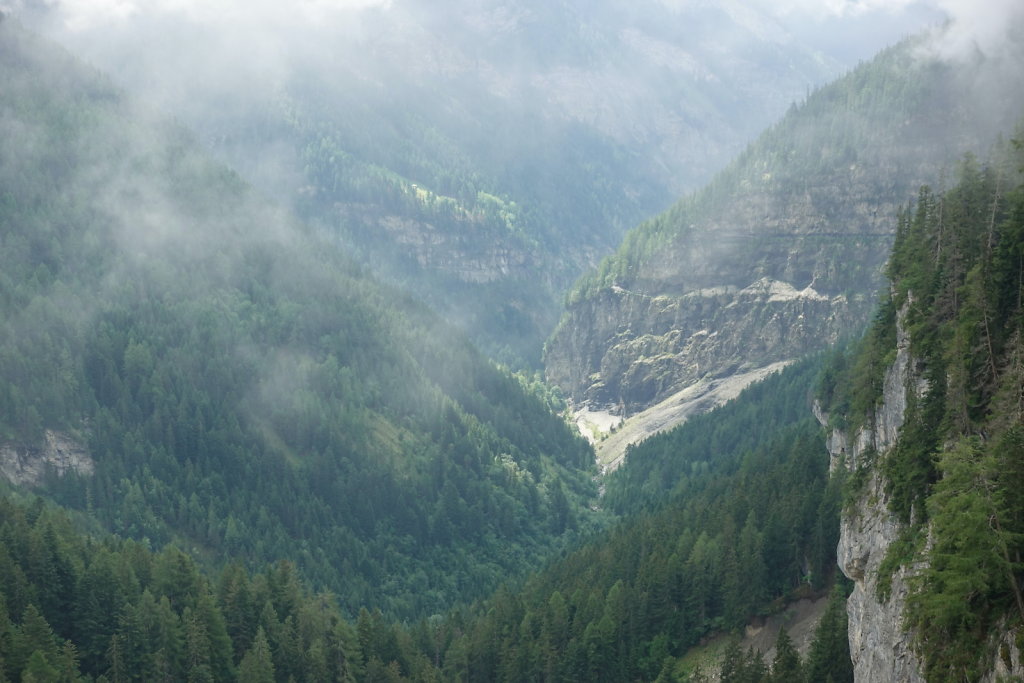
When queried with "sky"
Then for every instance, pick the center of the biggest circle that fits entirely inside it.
(854, 30)
(847, 29)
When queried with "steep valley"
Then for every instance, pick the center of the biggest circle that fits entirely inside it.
(257, 421)
(186, 363)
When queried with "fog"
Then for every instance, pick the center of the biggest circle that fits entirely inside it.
(683, 83)
(363, 115)
(648, 75)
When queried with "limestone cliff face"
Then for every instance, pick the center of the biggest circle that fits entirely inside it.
(879, 645)
(762, 274)
(472, 254)
(632, 350)
(1007, 663)
(27, 465)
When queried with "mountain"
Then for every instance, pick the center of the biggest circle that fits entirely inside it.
(927, 417)
(782, 252)
(199, 383)
(731, 519)
(204, 369)
(748, 529)
(480, 154)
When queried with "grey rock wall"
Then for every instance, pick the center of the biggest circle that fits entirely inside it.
(629, 351)
(880, 646)
(27, 465)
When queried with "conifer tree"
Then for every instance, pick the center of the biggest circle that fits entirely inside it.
(829, 657)
(257, 666)
(34, 635)
(786, 665)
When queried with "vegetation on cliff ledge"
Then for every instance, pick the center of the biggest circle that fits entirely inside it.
(957, 468)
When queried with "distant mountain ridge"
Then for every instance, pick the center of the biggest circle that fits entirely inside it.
(480, 154)
(782, 252)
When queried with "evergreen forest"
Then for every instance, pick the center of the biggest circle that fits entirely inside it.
(243, 389)
(243, 438)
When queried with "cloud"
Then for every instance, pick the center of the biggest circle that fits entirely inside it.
(826, 9)
(985, 27)
(982, 25)
(81, 15)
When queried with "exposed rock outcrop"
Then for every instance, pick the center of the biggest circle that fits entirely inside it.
(879, 645)
(1007, 665)
(460, 256)
(632, 350)
(58, 454)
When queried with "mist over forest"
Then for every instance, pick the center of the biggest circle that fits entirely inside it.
(387, 340)
(461, 150)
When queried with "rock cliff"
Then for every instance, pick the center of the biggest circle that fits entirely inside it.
(630, 350)
(58, 454)
(879, 645)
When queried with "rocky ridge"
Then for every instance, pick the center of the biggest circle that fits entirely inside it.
(783, 252)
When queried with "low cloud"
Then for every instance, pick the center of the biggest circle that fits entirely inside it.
(78, 15)
(985, 27)
(972, 25)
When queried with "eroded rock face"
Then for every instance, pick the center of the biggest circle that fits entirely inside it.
(809, 208)
(631, 350)
(880, 646)
(58, 454)
(1007, 665)
(465, 257)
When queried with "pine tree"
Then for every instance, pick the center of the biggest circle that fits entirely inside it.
(257, 666)
(34, 635)
(829, 657)
(971, 564)
(733, 663)
(786, 666)
(197, 641)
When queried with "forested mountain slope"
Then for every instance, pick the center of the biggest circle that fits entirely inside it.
(929, 418)
(78, 608)
(213, 374)
(480, 154)
(782, 252)
(733, 513)
(746, 526)
(625, 606)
